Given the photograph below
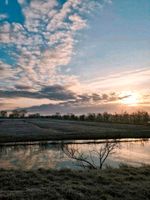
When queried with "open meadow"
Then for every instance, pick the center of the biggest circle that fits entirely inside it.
(13, 130)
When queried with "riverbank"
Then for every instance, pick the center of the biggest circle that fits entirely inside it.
(109, 184)
(23, 130)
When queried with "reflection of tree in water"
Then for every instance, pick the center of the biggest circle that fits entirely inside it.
(143, 141)
(101, 152)
(49, 146)
(134, 144)
(55, 155)
(30, 156)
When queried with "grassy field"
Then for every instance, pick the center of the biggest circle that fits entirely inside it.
(125, 183)
(13, 130)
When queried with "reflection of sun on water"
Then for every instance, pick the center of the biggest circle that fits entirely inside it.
(132, 99)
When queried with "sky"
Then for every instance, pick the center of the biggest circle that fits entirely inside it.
(75, 56)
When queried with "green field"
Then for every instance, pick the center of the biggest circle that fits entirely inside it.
(13, 130)
(125, 183)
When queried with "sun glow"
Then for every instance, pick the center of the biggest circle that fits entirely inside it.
(131, 99)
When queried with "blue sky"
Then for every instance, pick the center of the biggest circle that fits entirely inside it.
(120, 36)
(57, 53)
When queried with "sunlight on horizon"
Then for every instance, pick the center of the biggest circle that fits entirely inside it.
(132, 99)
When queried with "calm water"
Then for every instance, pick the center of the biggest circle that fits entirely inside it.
(51, 155)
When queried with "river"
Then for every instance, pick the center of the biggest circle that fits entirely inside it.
(54, 154)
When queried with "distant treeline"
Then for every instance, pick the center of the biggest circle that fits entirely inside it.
(139, 117)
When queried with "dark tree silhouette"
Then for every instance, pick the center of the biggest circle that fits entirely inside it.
(87, 161)
(3, 113)
(139, 117)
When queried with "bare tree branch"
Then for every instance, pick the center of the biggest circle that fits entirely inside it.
(102, 153)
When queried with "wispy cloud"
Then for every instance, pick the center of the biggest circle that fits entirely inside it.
(46, 39)
(130, 79)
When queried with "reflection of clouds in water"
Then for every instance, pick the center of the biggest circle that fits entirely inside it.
(134, 152)
(6, 164)
(51, 156)
(31, 157)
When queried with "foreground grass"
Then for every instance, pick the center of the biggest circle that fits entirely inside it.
(21, 130)
(125, 183)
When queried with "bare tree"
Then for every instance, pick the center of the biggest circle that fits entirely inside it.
(3, 113)
(87, 161)
(73, 153)
(104, 151)
(22, 113)
(14, 114)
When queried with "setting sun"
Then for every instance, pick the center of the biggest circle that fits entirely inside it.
(132, 99)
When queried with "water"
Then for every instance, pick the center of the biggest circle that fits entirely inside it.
(55, 154)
